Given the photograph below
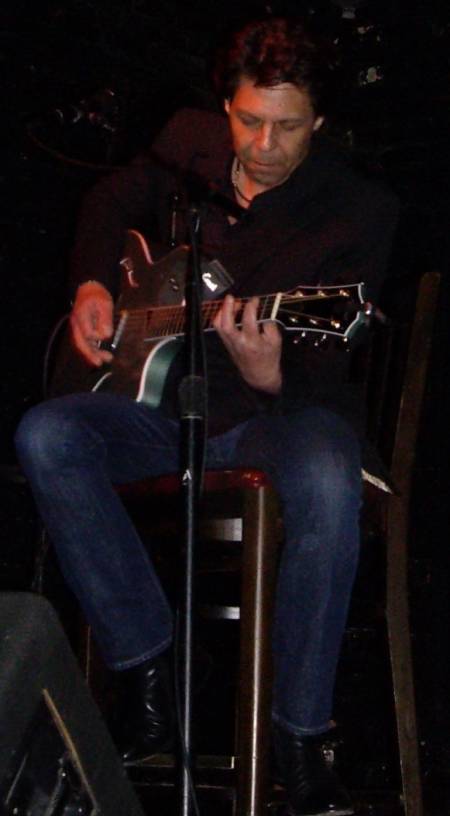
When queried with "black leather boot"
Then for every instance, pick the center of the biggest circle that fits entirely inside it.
(312, 786)
(146, 721)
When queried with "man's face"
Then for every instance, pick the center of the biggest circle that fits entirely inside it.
(271, 130)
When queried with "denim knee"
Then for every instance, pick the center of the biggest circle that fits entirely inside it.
(42, 435)
(332, 476)
(322, 461)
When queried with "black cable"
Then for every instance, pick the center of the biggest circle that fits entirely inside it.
(56, 154)
(49, 351)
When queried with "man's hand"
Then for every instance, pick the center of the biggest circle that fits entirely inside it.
(255, 350)
(91, 322)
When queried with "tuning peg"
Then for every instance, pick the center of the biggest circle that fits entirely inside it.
(322, 341)
(301, 338)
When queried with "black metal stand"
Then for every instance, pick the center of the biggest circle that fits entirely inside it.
(192, 397)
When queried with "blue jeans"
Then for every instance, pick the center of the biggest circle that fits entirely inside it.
(74, 449)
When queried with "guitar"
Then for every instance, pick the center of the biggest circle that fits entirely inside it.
(149, 320)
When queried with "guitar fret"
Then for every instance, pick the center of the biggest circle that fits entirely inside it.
(262, 309)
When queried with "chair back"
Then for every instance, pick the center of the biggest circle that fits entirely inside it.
(395, 362)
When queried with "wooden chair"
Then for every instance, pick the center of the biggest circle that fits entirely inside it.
(238, 506)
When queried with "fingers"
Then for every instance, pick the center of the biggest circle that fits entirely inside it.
(250, 317)
(254, 347)
(224, 321)
(105, 322)
(272, 334)
(94, 316)
(228, 321)
(88, 344)
(235, 323)
(91, 322)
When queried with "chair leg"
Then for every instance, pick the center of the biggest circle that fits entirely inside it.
(260, 536)
(401, 657)
(397, 538)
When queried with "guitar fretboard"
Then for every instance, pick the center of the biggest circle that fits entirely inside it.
(170, 321)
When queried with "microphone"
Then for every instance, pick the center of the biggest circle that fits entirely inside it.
(200, 190)
(203, 191)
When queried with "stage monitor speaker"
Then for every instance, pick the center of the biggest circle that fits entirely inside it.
(56, 755)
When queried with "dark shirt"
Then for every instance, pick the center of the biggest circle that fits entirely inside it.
(325, 225)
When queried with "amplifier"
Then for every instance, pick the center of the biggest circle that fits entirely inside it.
(56, 755)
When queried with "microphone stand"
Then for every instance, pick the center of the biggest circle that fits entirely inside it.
(192, 400)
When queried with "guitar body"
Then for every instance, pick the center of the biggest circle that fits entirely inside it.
(149, 322)
(140, 366)
(144, 284)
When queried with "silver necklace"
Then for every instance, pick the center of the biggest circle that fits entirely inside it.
(235, 171)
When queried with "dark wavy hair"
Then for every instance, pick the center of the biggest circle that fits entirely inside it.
(273, 51)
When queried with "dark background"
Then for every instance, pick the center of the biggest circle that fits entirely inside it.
(85, 86)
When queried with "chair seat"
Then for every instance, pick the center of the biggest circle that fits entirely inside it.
(214, 480)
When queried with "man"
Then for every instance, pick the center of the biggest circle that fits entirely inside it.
(289, 409)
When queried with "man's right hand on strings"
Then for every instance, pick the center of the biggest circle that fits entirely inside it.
(91, 322)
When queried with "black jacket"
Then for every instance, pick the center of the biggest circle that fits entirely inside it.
(325, 225)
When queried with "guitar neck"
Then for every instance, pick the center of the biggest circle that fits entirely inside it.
(170, 321)
(335, 312)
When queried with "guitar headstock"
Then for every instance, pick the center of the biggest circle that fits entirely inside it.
(327, 311)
